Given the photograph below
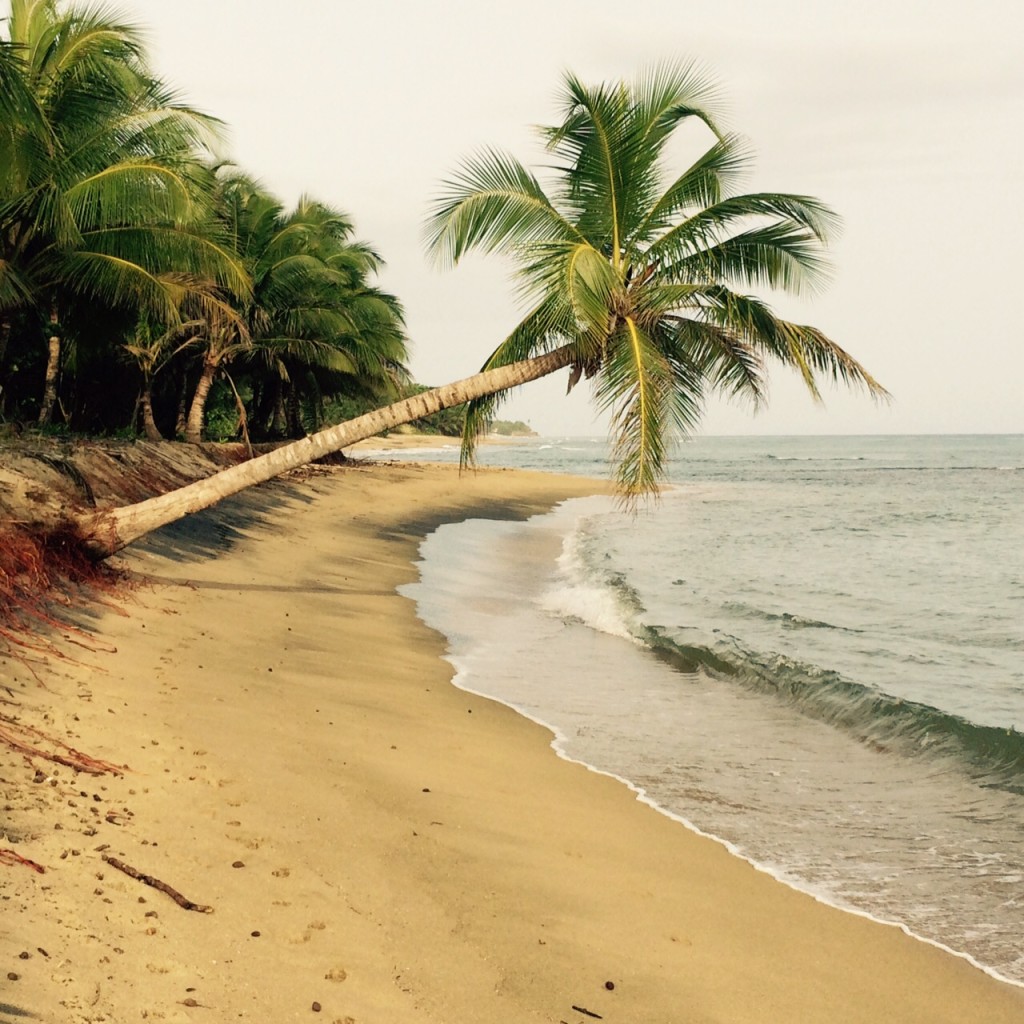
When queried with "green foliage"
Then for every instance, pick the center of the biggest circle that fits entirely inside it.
(448, 422)
(112, 212)
(644, 273)
(511, 428)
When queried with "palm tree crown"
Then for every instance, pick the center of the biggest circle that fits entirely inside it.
(102, 192)
(642, 274)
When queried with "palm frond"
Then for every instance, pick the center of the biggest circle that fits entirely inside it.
(493, 203)
(804, 349)
(636, 387)
(778, 255)
(703, 184)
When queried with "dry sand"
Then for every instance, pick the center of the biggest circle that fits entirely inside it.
(376, 845)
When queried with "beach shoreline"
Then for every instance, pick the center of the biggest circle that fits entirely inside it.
(375, 843)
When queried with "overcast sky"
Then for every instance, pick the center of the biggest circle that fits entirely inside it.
(906, 116)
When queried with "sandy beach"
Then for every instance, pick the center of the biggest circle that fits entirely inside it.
(374, 844)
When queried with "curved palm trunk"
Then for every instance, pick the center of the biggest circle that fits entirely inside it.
(197, 410)
(152, 431)
(182, 415)
(103, 533)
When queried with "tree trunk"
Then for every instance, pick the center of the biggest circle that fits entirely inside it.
(279, 421)
(182, 417)
(293, 409)
(5, 337)
(197, 411)
(151, 430)
(50, 381)
(103, 533)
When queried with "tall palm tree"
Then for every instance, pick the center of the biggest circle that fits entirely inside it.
(632, 278)
(106, 192)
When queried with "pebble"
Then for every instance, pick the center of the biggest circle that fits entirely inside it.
(316, 1007)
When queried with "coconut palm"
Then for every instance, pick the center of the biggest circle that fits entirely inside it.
(106, 193)
(641, 280)
(633, 279)
(341, 334)
(311, 308)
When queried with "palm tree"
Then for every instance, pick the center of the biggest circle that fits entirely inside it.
(310, 309)
(339, 333)
(105, 193)
(641, 277)
(631, 278)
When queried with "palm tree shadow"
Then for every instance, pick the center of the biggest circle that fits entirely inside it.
(9, 1013)
(203, 536)
(208, 534)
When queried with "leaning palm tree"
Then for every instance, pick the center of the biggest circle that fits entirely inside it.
(641, 281)
(633, 277)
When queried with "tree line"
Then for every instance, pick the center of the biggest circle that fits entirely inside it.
(136, 272)
(146, 286)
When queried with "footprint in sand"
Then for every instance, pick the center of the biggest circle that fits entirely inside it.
(317, 926)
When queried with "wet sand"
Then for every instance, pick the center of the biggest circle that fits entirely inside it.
(375, 844)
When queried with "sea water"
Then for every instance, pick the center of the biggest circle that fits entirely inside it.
(811, 649)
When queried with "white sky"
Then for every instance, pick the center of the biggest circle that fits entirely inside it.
(907, 116)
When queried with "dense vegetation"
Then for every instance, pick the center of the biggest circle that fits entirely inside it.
(146, 287)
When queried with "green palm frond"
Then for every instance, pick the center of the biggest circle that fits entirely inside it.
(493, 203)
(804, 349)
(575, 272)
(132, 190)
(779, 255)
(703, 184)
(720, 357)
(636, 387)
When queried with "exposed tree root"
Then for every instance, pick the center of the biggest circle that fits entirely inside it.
(39, 577)
(10, 857)
(23, 738)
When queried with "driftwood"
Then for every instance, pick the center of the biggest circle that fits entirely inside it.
(182, 902)
(10, 857)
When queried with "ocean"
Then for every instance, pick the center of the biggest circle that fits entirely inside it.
(811, 649)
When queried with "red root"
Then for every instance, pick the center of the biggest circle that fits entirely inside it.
(38, 576)
(65, 755)
(10, 857)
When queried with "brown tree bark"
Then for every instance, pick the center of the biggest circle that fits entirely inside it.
(104, 532)
(197, 411)
(149, 427)
(52, 372)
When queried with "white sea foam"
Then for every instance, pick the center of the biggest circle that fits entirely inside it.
(577, 594)
(866, 829)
